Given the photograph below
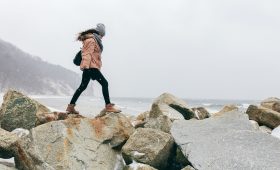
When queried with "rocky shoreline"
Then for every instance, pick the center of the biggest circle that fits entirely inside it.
(170, 136)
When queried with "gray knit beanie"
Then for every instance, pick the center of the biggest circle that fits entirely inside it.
(101, 29)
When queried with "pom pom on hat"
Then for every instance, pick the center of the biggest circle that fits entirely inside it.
(100, 28)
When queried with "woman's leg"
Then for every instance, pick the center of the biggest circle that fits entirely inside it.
(97, 75)
(83, 86)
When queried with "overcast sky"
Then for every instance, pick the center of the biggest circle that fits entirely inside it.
(218, 49)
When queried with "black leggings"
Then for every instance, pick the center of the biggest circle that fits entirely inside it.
(94, 74)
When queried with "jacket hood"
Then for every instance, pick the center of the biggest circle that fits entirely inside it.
(84, 37)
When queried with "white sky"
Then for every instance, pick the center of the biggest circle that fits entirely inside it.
(227, 49)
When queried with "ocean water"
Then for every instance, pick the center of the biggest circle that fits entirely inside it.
(91, 106)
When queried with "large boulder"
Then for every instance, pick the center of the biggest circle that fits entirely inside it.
(75, 143)
(171, 106)
(19, 111)
(226, 142)
(264, 116)
(272, 103)
(148, 146)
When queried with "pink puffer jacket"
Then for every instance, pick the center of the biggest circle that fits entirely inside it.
(91, 53)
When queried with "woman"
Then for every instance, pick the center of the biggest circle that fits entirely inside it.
(90, 65)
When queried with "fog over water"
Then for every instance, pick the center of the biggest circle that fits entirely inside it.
(193, 49)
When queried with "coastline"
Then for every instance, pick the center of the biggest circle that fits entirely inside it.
(165, 129)
(91, 106)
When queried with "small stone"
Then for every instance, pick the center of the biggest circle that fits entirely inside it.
(143, 116)
(201, 113)
(265, 129)
(4, 166)
(255, 124)
(188, 168)
(276, 132)
(20, 132)
(225, 109)
(138, 166)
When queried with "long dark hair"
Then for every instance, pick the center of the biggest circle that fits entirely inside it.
(89, 31)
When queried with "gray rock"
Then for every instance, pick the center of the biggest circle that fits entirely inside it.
(19, 111)
(201, 113)
(171, 106)
(148, 146)
(162, 123)
(226, 142)
(138, 166)
(264, 116)
(272, 103)
(276, 132)
(75, 143)
(265, 129)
